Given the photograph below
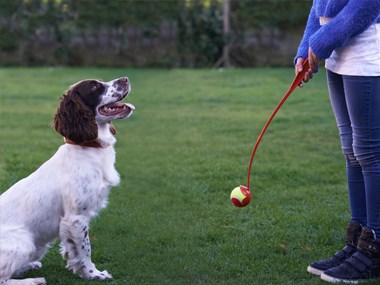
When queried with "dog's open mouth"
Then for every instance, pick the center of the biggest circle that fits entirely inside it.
(117, 109)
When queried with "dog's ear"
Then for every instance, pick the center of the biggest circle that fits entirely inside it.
(74, 120)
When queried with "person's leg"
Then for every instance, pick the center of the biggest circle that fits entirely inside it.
(355, 180)
(363, 102)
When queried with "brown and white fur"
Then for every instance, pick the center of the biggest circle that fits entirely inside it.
(59, 199)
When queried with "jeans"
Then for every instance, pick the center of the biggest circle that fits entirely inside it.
(356, 104)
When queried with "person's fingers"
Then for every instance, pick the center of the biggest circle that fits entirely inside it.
(313, 61)
(308, 76)
(298, 66)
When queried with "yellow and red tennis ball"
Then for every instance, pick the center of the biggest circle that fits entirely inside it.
(240, 196)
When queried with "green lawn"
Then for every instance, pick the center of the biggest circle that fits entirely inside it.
(184, 149)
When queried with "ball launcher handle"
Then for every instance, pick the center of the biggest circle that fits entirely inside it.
(297, 80)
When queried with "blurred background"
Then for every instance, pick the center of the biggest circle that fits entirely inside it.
(151, 33)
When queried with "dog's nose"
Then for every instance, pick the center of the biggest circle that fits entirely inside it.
(123, 80)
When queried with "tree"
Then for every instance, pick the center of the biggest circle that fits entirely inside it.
(225, 59)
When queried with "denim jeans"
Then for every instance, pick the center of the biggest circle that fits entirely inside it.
(356, 104)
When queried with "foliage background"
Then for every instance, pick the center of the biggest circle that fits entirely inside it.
(166, 33)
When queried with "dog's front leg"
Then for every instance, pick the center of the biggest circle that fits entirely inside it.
(76, 248)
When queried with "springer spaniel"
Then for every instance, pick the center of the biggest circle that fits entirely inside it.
(61, 196)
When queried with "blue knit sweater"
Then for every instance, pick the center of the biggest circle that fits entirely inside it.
(349, 18)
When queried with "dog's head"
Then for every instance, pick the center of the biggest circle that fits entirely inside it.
(90, 103)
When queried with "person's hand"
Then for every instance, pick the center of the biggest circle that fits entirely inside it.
(314, 61)
(299, 68)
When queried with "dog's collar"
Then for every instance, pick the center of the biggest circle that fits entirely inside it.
(94, 144)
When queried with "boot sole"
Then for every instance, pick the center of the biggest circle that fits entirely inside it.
(331, 279)
(314, 271)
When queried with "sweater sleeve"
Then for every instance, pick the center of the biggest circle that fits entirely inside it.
(311, 27)
(352, 20)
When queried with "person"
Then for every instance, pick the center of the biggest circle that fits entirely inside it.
(346, 34)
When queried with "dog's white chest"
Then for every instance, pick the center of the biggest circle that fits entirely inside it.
(93, 174)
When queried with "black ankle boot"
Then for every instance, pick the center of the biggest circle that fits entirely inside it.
(353, 234)
(362, 265)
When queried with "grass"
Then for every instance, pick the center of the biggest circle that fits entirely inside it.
(185, 148)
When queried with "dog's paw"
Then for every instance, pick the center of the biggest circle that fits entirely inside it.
(35, 265)
(102, 275)
(40, 281)
(94, 274)
(32, 281)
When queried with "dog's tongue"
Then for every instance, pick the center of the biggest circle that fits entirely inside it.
(131, 106)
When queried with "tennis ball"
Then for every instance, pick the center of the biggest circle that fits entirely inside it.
(240, 196)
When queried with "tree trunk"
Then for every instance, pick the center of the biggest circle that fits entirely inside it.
(226, 33)
(225, 58)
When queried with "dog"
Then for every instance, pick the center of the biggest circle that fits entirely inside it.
(59, 199)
